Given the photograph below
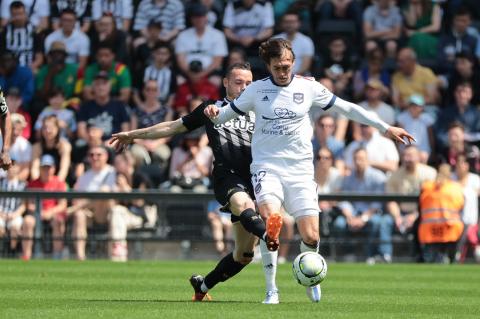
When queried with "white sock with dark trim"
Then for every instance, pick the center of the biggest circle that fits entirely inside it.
(269, 261)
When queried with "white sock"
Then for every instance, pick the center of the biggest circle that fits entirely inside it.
(269, 261)
(204, 287)
(304, 248)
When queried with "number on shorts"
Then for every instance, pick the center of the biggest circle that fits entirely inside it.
(257, 178)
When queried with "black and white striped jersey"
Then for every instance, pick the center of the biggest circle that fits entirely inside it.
(120, 9)
(230, 141)
(83, 9)
(10, 204)
(23, 41)
(166, 80)
(171, 15)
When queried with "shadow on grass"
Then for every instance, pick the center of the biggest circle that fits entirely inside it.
(174, 301)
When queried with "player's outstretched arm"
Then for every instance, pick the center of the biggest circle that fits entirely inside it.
(120, 141)
(357, 113)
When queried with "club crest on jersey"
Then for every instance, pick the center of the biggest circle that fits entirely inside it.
(298, 98)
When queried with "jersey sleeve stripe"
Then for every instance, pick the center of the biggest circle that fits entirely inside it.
(331, 103)
(236, 109)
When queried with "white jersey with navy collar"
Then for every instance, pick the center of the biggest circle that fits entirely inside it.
(283, 130)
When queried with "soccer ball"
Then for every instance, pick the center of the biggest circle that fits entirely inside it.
(309, 268)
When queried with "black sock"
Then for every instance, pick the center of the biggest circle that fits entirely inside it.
(252, 222)
(226, 268)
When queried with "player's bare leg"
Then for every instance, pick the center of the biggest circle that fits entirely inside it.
(309, 231)
(243, 206)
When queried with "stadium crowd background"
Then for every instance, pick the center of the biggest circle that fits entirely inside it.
(74, 72)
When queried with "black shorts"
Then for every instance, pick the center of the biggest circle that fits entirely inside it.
(227, 182)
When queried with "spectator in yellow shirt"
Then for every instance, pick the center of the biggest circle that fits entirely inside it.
(412, 78)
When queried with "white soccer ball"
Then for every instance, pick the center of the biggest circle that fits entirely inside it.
(309, 268)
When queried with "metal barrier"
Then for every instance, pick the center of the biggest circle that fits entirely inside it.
(166, 197)
(191, 196)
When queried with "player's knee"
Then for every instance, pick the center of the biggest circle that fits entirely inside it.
(241, 202)
(243, 258)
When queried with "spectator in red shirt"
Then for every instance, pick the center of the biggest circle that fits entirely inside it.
(197, 87)
(53, 210)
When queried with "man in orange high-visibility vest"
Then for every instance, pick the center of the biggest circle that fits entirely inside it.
(441, 204)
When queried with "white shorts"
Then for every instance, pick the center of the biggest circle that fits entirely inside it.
(16, 223)
(297, 193)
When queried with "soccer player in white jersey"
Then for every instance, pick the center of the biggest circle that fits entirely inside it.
(282, 166)
(231, 181)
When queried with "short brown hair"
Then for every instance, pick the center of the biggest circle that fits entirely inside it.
(239, 66)
(274, 48)
(456, 124)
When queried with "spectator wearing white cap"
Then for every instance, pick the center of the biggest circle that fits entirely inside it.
(420, 123)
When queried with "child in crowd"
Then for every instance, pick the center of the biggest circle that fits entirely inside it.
(57, 105)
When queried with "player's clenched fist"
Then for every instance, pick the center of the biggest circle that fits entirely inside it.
(211, 111)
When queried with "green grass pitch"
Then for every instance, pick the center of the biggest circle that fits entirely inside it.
(101, 289)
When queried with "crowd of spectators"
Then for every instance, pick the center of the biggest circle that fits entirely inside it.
(76, 71)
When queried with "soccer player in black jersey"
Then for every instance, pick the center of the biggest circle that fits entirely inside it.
(230, 143)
